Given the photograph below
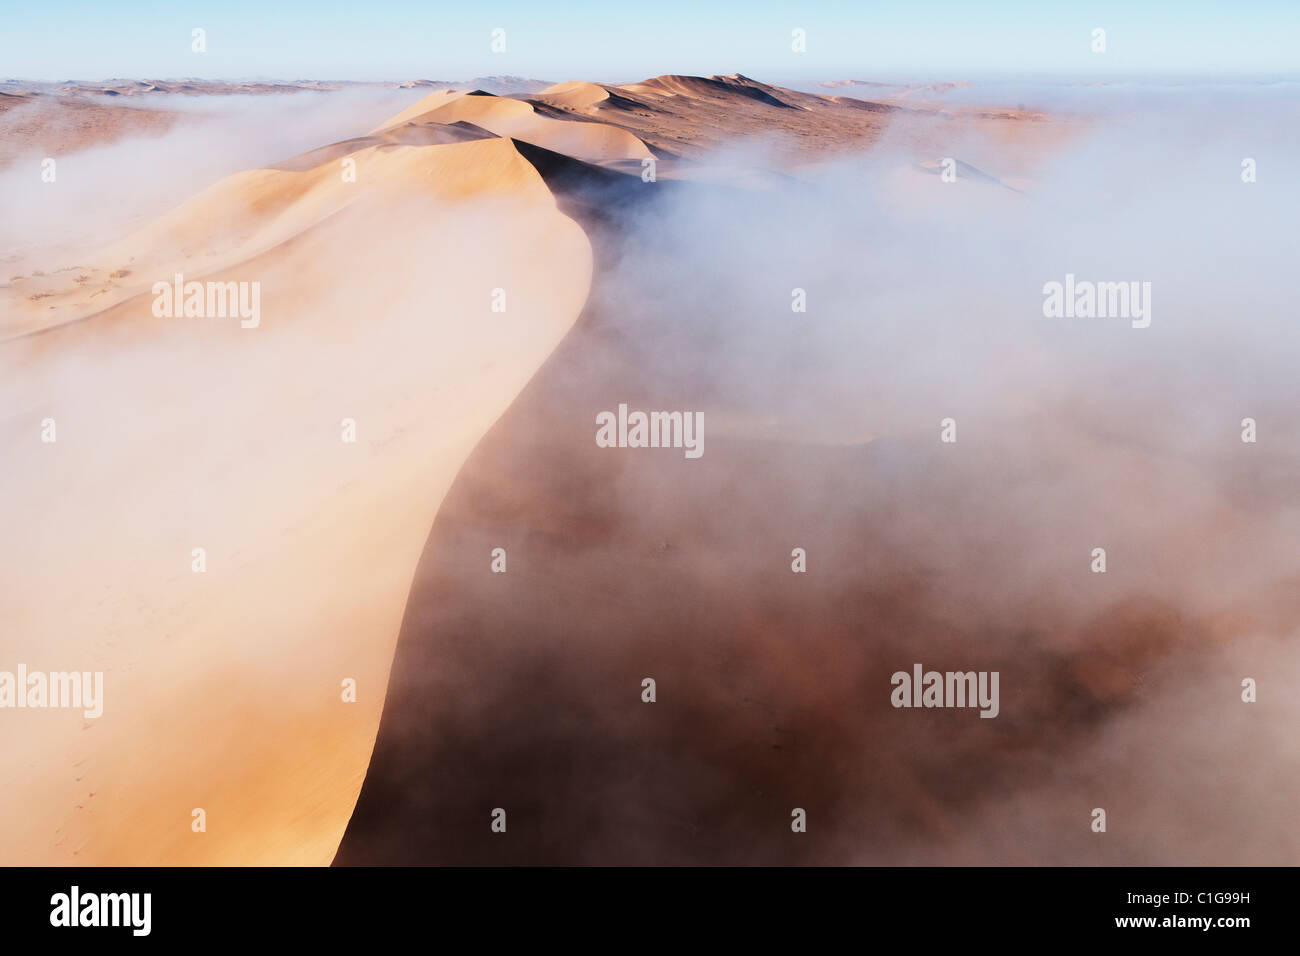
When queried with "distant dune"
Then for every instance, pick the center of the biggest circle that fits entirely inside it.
(577, 94)
(520, 120)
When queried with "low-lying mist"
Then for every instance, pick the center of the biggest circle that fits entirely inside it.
(834, 327)
(103, 190)
(1121, 689)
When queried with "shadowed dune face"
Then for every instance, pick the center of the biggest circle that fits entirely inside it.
(522, 690)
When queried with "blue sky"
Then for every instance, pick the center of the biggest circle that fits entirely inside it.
(621, 40)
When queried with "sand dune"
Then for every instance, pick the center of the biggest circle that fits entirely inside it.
(408, 134)
(577, 94)
(250, 213)
(223, 688)
(428, 104)
(694, 116)
(519, 119)
(713, 87)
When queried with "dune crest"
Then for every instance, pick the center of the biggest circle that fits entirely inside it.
(250, 213)
(595, 142)
(428, 104)
(576, 94)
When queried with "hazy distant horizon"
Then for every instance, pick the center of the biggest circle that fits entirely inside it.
(938, 38)
(866, 78)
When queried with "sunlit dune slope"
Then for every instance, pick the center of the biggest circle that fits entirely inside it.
(223, 689)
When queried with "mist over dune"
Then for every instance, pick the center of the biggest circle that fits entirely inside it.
(470, 280)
